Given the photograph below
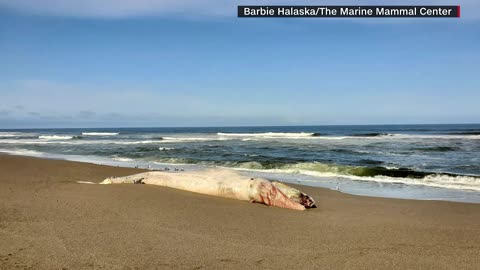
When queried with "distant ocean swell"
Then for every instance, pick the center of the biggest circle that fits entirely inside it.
(64, 139)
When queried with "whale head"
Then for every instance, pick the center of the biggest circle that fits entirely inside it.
(295, 195)
(280, 195)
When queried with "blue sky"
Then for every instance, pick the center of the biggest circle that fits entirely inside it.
(178, 63)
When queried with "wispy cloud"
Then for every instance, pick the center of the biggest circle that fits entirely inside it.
(115, 8)
(4, 113)
(131, 8)
(86, 114)
(59, 104)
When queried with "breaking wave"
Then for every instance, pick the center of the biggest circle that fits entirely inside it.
(375, 174)
(123, 159)
(76, 141)
(397, 136)
(55, 137)
(428, 136)
(129, 142)
(400, 136)
(99, 133)
(192, 139)
(21, 152)
(305, 135)
(7, 135)
(359, 173)
(272, 134)
(371, 135)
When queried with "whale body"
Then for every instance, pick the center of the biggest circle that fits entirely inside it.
(224, 183)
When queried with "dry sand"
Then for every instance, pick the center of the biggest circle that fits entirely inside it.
(48, 221)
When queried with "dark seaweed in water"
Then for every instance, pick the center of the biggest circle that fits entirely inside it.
(371, 162)
(401, 172)
(438, 149)
(346, 151)
(465, 133)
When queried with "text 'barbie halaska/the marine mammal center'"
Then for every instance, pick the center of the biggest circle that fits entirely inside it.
(349, 11)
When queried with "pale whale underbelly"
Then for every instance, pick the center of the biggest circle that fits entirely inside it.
(224, 183)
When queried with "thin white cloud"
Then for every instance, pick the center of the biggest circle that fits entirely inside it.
(132, 8)
(114, 8)
(58, 104)
(92, 101)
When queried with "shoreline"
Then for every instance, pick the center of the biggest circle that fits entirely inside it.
(48, 221)
(349, 186)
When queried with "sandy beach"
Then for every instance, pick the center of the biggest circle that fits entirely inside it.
(48, 221)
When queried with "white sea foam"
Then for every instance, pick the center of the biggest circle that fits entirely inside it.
(131, 142)
(55, 137)
(7, 135)
(287, 135)
(67, 139)
(435, 180)
(39, 142)
(428, 136)
(337, 137)
(99, 133)
(21, 152)
(399, 136)
(75, 142)
(165, 148)
(394, 137)
(192, 139)
(269, 134)
(122, 159)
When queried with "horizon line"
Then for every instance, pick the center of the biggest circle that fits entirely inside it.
(245, 126)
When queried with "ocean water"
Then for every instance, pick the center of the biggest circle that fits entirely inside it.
(428, 162)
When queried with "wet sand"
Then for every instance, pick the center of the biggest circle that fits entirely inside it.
(48, 221)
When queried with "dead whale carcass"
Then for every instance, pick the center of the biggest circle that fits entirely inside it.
(224, 183)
